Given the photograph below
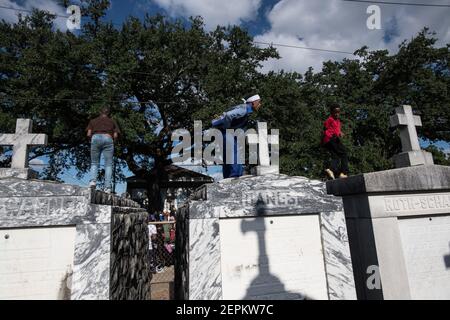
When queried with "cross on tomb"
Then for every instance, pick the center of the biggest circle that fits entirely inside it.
(411, 154)
(21, 140)
(262, 139)
(408, 123)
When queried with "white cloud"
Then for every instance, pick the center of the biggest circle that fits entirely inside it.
(37, 164)
(212, 171)
(47, 5)
(338, 25)
(214, 12)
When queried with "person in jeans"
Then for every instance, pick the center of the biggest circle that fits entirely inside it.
(235, 118)
(102, 131)
(332, 142)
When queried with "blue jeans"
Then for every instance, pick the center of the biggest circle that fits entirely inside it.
(101, 143)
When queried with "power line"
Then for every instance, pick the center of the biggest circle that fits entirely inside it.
(115, 73)
(402, 3)
(255, 42)
(300, 47)
(104, 70)
(112, 101)
(91, 100)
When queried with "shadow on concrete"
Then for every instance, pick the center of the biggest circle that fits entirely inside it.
(266, 285)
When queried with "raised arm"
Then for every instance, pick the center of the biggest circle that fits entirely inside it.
(224, 121)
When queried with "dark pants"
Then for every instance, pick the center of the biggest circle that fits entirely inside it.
(339, 159)
(234, 169)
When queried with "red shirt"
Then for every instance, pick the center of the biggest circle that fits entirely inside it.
(332, 128)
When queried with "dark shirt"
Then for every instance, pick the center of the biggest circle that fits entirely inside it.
(103, 125)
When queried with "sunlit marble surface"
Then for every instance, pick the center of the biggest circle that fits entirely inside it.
(268, 195)
(33, 203)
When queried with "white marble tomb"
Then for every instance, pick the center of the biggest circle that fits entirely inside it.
(399, 222)
(263, 237)
(56, 239)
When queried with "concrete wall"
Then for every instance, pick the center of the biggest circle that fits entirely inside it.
(274, 258)
(36, 263)
(426, 244)
(398, 224)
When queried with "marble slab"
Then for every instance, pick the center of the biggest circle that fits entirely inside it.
(91, 277)
(33, 203)
(278, 194)
(25, 173)
(270, 195)
(205, 278)
(44, 211)
(338, 262)
(14, 187)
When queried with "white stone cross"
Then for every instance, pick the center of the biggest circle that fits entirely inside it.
(411, 154)
(268, 163)
(21, 141)
(408, 123)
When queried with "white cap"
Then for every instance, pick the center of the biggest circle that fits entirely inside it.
(253, 98)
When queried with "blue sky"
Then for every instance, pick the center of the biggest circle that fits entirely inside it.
(326, 24)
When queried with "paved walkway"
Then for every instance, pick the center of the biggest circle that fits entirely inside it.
(162, 285)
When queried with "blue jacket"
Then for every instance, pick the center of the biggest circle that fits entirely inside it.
(234, 118)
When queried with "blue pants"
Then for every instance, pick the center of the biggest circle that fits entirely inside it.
(101, 143)
(234, 169)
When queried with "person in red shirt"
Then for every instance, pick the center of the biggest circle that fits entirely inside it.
(332, 142)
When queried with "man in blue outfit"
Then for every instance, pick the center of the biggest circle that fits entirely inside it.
(235, 118)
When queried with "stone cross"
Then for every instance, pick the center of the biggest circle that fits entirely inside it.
(408, 123)
(268, 163)
(21, 141)
(411, 153)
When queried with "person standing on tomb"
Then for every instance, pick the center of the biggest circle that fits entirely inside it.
(332, 142)
(235, 118)
(102, 131)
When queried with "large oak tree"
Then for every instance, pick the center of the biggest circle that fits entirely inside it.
(161, 74)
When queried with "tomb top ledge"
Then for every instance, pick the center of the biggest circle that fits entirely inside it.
(272, 194)
(409, 179)
(16, 187)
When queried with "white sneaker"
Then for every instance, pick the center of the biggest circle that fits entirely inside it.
(330, 174)
(92, 184)
(160, 269)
